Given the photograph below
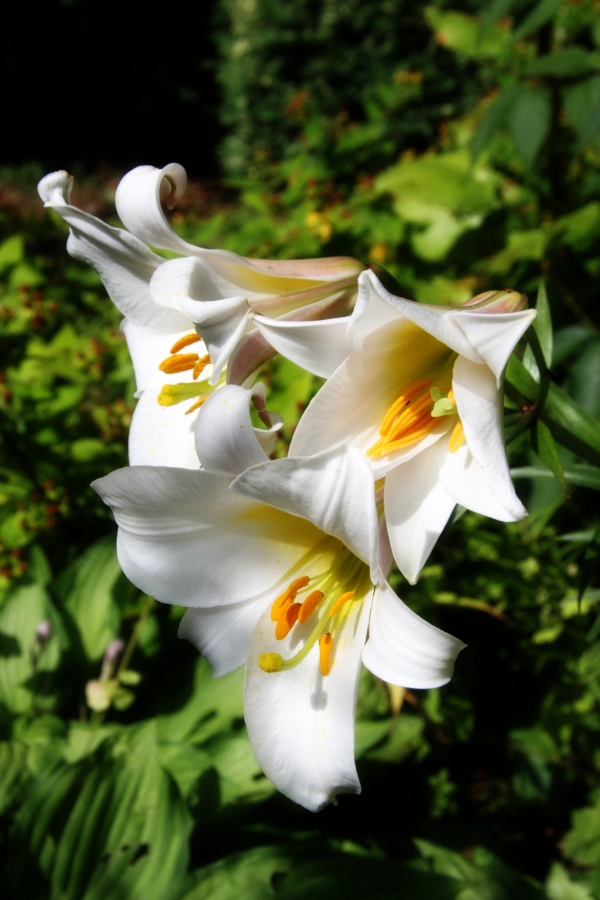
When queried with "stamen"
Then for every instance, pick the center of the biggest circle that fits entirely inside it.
(287, 621)
(340, 602)
(181, 362)
(402, 400)
(281, 603)
(200, 366)
(197, 404)
(185, 341)
(309, 606)
(325, 642)
(457, 437)
(270, 662)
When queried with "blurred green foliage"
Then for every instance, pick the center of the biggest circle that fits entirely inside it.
(458, 146)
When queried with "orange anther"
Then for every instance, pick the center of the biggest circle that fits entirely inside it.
(325, 642)
(287, 621)
(181, 362)
(197, 404)
(343, 598)
(309, 606)
(200, 366)
(185, 341)
(289, 595)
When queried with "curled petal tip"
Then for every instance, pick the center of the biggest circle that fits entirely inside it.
(56, 187)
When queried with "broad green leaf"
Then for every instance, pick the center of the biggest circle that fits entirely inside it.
(543, 444)
(244, 876)
(582, 842)
(240, 777)
(583, 381)
(520, 378)
(87, 592)
(13, 758)
(494, 118)
(494, 11)
(578, 229)
(593, 126)
(580, 101)
(571, 62)
(560, 887)
(113, 826)
(539, 15)
(27, 670)
(529, 121)
(11, 252)
(462, 33)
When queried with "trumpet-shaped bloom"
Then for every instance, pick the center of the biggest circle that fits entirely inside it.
(420, 395)
(280, 568)
(219, 290)
(170, 360)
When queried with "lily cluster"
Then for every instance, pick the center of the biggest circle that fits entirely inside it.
(283, 563)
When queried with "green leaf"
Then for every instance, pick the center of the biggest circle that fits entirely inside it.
(571, 62)
(560, 887)
(494, 118)
(243, 876)
(12, 251)
(26, 669)
(576, 475)
(521, 379)
(111, 826)
(543, 328)
(543, 444)
(571, 425)
(13, 757)
(582, 842)
(529, 121)
(542, 13)
(87, 592)
(580, 101)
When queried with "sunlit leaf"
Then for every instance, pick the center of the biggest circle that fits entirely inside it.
(529, 121)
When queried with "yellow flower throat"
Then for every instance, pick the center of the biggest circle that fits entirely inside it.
(327, 591)
(414, 415)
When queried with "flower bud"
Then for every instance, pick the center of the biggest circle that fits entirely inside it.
(111, 655)
(505, 301)
(43, 631)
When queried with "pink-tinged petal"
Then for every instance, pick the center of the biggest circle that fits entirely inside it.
(226, 441)
(417, 508)
(334, 490)
(438, 321)
(464, 481)
(403, 648)
(186, 539)
(301, 723)
(222, 633)
(251, 352)
(352, 404)
(494, 336)
(123, 262)
(328, 268)
(162, 435)
(319, 346)
(479, 404)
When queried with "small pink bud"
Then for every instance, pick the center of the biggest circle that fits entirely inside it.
(43, 631)
(114, 650)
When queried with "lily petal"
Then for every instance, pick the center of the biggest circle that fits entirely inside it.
(334, 490)
(439, 321)
(222, 634)
(123, 262)
(189, 286)
(494, 336)
(403, 648)
(148, 349)
(226, 441)
(162, 435)
(319, 346)
(479, 405)
(251, 352)
(180, 530)
(300, 723)
(462, 478)
(417, 508)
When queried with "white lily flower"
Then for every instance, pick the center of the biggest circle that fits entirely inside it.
(420, 395)
(165, 376)
(219, 290)
(280, 569)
